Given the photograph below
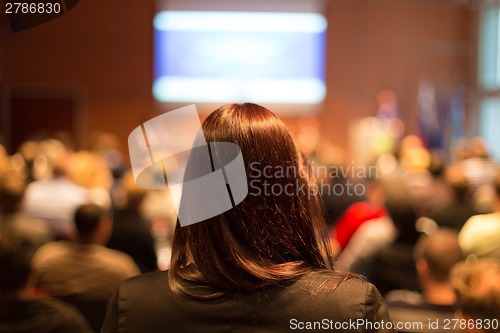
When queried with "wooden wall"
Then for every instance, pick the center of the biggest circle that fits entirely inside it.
(102, 51)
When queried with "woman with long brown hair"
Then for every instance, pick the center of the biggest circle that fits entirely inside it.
(264, 265)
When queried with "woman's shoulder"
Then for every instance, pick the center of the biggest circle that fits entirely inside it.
(337, 284)
(330, 289)
(146, 278)
(145, 284)
(341, 296)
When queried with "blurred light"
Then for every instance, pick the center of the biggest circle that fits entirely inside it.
(240, 21)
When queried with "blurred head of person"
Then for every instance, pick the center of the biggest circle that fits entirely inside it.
(461, 150)
(438, 253)
(133, 194)
(89, 170)
(435, 255)
(52, 159)
(437, 162)
(102, 141)
(402, 212)
(93, 224)
(12, 188)
(29, 149)
(375, 190)
(413, 154)
(15, 259)
(266, 238)
(478, 148)
(477, 289)
(459, 184)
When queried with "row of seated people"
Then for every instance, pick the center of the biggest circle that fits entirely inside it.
(378, 236)
(43, 210)
(450, 285)
(476, 286)
(85, 246)
(397, 264)
(81, 272)
(420, 260)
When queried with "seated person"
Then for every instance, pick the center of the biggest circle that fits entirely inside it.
(480, 235)
(12, 188)
(83, 269)
(373, 235)
(131, 231)
(477, 288)
(359, 213)
(54, 200)
(263, 266)
(435, 255)
(393, 266)
(20, 310)
(454, 214)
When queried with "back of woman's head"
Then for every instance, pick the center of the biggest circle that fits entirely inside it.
(275, 234)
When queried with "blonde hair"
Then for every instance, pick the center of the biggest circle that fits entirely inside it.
(477, 288)
(89, 170)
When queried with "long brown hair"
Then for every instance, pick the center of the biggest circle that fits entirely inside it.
(265, 239)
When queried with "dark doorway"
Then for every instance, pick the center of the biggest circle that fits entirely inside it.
(37, 116)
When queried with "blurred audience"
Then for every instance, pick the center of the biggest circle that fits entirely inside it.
(480, 171)
(29, 160)
(334, 180)
(55, 199)
(477, 288)
(358, 213)
(89, 170)
(47, 181)
(84, 269)
(368, 239)
(336, 205)
(420, 173)
(435, 256)
(131, 231)
(108, 146)
(393, 266)
(460, 209)
(20, 310)
(12, 187)
(480, 235)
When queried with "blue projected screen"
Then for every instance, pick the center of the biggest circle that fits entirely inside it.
(221, 57)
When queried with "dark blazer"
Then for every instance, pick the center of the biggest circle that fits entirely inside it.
(146, 304)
